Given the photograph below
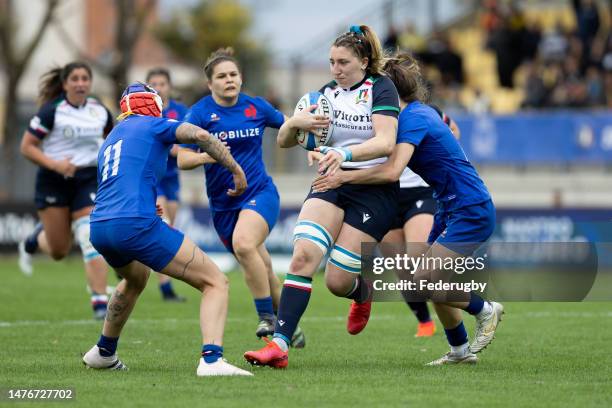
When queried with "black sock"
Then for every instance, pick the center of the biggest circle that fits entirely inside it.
(421, 311)
(31, 242)
(361, 292)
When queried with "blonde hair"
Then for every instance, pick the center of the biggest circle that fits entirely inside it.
(364, 43)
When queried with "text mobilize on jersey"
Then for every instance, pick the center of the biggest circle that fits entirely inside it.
(236, 134)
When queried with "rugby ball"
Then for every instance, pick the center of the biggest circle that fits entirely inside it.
(321, 137)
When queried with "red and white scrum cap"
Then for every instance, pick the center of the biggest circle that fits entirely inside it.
(141, 99)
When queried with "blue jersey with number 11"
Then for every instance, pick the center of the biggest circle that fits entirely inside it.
(130, 163)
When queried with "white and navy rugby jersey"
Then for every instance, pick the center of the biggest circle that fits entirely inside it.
(409, 179)
(353, 109)
(72, 131)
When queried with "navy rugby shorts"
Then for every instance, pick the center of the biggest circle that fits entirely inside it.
(370, 208)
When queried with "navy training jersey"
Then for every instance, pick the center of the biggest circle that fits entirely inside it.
(439, 159)
(130, 163)
(242, 127)
(177, 111)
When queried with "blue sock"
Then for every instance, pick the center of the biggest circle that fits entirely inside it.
(31, 242)
(476, 304)
(166, 289)
(457, 336)
(211, 353)
(264, 308)
(107, 345)
(293, 302)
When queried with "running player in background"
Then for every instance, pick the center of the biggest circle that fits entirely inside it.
(128, 232)
(465, 217)
(168, 186)
(242, 223)
(63, 140)
(366, 106)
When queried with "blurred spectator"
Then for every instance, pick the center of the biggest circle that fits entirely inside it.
(554, 45)
(441, 54)
(506, 41)
(536, 93)
(410, 40)
(608, 88)
(531, 40)
(391, 41)
(596, 95)
(560, 68)
(587, 20)
(490, 21)
(606, 60)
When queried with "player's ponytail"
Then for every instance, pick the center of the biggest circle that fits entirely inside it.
(50, 86)
(217, 57)
(404, 71)
(52, 81)
(364, 43)
(376, 63)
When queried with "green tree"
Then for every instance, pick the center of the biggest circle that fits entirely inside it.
(192, 34)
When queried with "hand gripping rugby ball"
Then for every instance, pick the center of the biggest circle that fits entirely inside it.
(320, 137)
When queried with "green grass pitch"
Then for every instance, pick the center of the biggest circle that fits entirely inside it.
(545, 354)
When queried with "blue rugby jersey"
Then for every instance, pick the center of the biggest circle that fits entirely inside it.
(177, 111)
(439, 159)
(130, 163)
(242, 127)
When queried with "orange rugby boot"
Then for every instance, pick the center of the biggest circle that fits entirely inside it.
(270, 355)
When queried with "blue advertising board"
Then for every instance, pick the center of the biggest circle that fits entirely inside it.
(538, 138)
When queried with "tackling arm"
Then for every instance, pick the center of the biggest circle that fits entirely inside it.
(187, 133)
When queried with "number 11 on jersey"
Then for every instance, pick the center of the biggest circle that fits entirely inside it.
(115, 160)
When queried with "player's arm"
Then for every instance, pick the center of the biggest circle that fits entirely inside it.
(388, 172)
(383, 142)
(188, 159)
(303, 120)
(30, 148)
(187, 133)
(381, 145)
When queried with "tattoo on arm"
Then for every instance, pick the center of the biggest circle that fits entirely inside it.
(191, 134)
